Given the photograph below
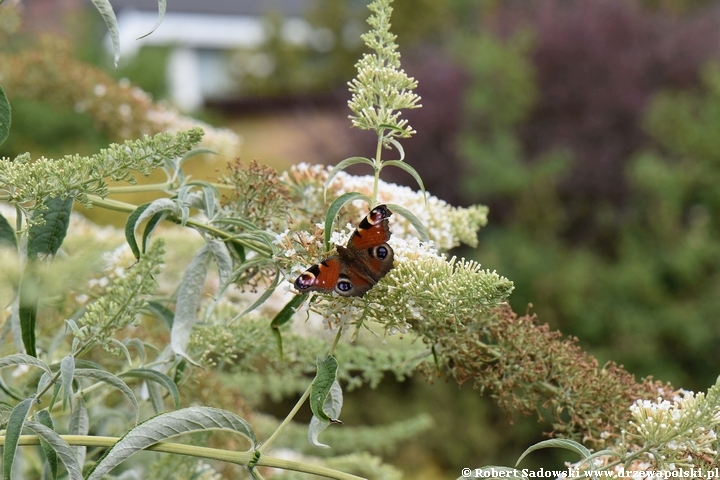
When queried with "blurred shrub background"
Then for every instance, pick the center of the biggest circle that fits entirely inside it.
(590, 127)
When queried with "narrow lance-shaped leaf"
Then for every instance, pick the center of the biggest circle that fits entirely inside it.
(5, 115)
(43, 417)
(23, 359)
(160, 311)
(79, 425)
(15, 424)
(130, 227)
(343, 165)
(188, 300)
(46, 238)
(156, 377)
(335, 209)
(284, 316)
(112, 380)
(28, 299)
(168, 425)
(108, 16)
(404, 166)
(557, 443)
(67, 373)
(414, 221)
(161, 14)
(7, 234)
(60, 446)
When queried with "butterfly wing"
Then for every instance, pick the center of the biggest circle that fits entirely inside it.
(357, 267)
(321, 277)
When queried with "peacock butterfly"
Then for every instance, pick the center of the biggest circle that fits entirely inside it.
(359, 266)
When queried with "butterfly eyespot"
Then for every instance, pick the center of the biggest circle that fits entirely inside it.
(344, 286)
(305, 281)
(381, 252)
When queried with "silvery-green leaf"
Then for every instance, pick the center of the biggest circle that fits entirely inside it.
(67, 373)
(79, 425)
(22, 359)
(14, 427)
(111, 380)
(168, 425)
(43, 417)
(188, 300)
(62, 449)
(108, 16)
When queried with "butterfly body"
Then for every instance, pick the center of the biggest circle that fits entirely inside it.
(357, 267)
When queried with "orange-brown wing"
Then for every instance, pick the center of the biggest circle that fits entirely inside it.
(322, 277)
(372, 231)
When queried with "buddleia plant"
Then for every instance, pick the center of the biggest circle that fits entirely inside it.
(381, 90)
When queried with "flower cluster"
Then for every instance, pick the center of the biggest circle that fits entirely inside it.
(24, 181)
(122, 301)
(447, 226)
(381, 89)
(680, 432)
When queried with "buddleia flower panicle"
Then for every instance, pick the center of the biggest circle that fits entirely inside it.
(23, 180)
(122, 294)
(381, 89)
(685, 426)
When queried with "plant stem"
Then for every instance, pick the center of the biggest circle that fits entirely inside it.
(378, 167)
(239, 458)
(287, 420)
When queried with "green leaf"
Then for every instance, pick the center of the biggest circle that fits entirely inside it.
(23, 359)
(161, 15)
(67, 373)
(335, 209)
(404, 166)
(160, 311)
(113, 381)
(343, 165)
(155, 211)
(324, 378)
(223, 260)
(108, 16)
(139, 347)
(261, 299)
(414, 221)
(150, 227)
(7, 234)
(557, 443)
(282, 317)
(332, 407)
(46, 239)
(189, 294)
(130, 227)
(399, 147)
(156, 398)
(79, 425)
(43, 417)
(60, 447)
(5, 116)
(168, 425)
(28, 304)
(12, 434)
(156, 377)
